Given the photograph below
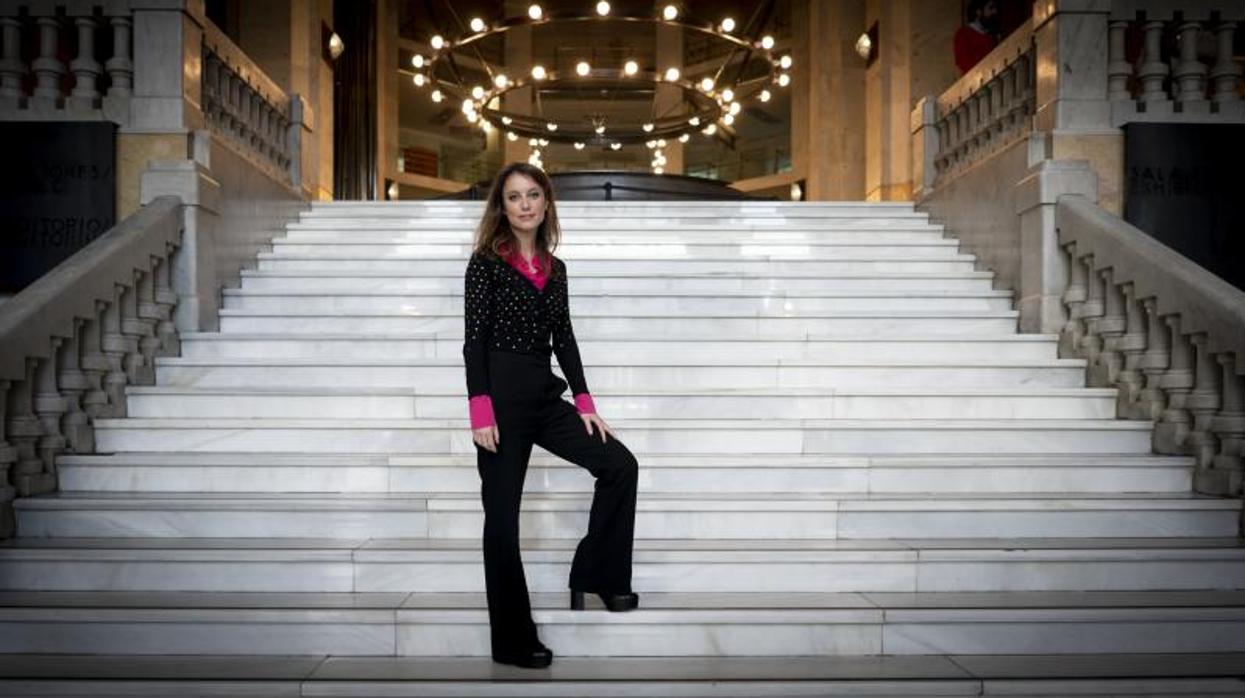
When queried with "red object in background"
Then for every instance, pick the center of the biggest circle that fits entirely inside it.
(971, 46)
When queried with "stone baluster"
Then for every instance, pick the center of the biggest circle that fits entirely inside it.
(1190, 74)
(1109, 328)
(1152, 71)
(1228, 427)
(1225, 74)
(940, 156)
(211, 95)
(48, 67)
(74, 383)
(963, 121)
(1132, 345)
(50, 407)
(166, 301)
(86, 69)
(1118, 69)
(266, 147)
(1007, 101)
(121, 66)
(1091, 311)
(95, 366)
(24, 432)
(149, 313)
(1177, 381)
(1073, 297)
(139, 368)
(7, 457)
(12, 67)
(1203, 401)
(1154, 361)
(1025, 88)
(237, 100)
(115, 347)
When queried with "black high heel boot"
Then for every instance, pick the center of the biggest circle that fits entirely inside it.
(614, 602)
(538, 657)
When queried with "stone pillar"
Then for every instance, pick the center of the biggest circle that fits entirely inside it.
(168, 42)
(827, 99)
(1072, 104)
(669, 54)
(888, 106)
(518, 64)
(387, 94)
(1043, 265)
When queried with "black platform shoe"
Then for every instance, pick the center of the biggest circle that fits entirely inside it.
(537, 657)
(614, 602)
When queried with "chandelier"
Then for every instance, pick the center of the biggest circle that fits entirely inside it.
(708, 102)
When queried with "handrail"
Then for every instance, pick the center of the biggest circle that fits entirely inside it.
(1205, 302)
(47, 307)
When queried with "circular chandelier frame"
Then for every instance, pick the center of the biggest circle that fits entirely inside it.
(708, 107)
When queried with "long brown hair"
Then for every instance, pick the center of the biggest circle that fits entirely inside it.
(493, 234)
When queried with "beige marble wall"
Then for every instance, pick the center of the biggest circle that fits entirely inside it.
(134, 152)
(518, 62)
(386, 93)
(1105, 154)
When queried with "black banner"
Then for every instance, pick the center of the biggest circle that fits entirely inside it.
(58, 191)
(1180, 187)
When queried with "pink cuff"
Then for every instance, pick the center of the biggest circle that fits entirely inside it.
(481, 407)
(583, 403)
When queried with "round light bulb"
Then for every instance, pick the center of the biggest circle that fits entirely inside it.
(473, 117)
(603, 8)
(417, 61)
(728, 25)
(784, 79)
(551, 126)
(764, 96)
(538, 72)
(670, 12)
(437, 96)
(579, 146)
(657, 170)
(734, 108)
(512, 136)
(418, 79)
(437, 42)
(767, 42)
(477, 92)
(506, 120)
(477, 24)
(647, 127)
(672, 74)
(631, 67)
(542, 141)
(710, 129)
(600, 129)
(534, 12)
(685, 138)
(706, 83)
(695, 121)
(582, 67)
(615, 146)
(661, 142)
(784, 62)
(728, 94)
(468, 106)
(728, 119)
(532, 142)
(501, 80)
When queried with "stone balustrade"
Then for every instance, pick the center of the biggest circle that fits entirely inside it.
(100, 73)
(76, 337)
(987, 109)
(1169, 335)
(1197, 81)
(243, 104)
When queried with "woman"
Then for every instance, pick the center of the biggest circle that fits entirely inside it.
(516, 299)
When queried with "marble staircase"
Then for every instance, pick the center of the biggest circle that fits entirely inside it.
(846, 450)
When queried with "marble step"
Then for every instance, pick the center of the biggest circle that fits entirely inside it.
(369, 346)
(268, 472)
(1020, 402)
(759, 252)
(743, 326)
(754, 516)
(667, 624)
(697, 238)
(714, 436)
(675, 225)
(624, 281)
(420, 265)
(1201, 675)
(442, 375)
(795, 566)
(610, 304)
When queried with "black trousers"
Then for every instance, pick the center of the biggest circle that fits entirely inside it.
(529, 409)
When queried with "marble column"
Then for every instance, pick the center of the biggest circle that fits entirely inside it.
(827, 101)
(518, 64)
(668, 54)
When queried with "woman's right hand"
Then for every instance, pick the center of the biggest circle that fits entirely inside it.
(486, 437)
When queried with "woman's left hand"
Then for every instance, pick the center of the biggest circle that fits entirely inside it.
(593, 418)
